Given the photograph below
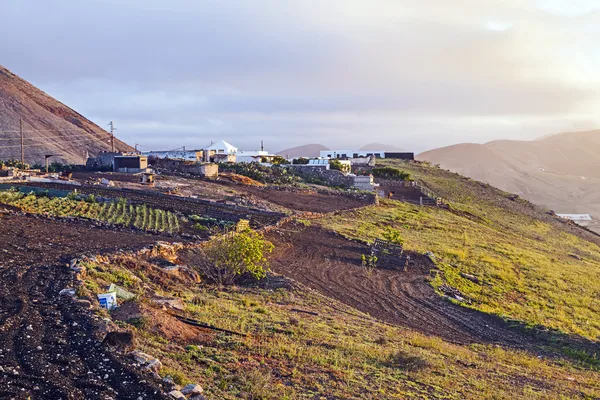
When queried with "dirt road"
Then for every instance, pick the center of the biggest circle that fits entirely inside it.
(47, 347)
(331, 264)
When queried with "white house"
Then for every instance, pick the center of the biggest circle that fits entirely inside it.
(222, 147)
(579, 219)
(351, 153)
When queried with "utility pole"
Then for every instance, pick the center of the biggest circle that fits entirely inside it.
(22, 150)
(112, 136)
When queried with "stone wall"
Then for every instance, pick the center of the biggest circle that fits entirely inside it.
(321, 174)
(186, 167)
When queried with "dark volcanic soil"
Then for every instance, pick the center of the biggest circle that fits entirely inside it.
(331, 264)
(302, 200)
(47, 346)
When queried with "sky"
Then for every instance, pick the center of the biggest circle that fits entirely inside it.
(414, 74)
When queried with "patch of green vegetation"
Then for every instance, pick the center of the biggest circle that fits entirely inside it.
(520, 257)
(118, 212)
(391, 173)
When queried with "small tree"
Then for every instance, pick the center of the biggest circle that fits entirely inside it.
(393, 235)
(224, 259)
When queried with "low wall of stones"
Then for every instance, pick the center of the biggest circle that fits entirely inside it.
(185, 205)
(321, 174)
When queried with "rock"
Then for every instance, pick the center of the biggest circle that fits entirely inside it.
(176, 394)
(197, 397)
(67, 292)
(141, 358)
(192, 389)
(154, 365)
(169, 302)
(80, 272)
(183, 272)
(470, 277)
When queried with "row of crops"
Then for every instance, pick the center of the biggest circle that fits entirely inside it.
(119, 212)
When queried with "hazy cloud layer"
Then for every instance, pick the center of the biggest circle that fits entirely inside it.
(415, 74)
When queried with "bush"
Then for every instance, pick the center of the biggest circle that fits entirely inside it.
(393, 235)
(227, 258)
(300, 161)
(338, 166)
(391, 173)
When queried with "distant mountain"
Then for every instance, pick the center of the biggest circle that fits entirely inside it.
(49, 126)
(560, 171)
(308, 150)
(380, 146)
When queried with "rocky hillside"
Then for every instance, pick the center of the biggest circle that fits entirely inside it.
(49, 126)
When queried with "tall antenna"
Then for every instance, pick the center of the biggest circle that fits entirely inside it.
(262, 148)
(112, 136)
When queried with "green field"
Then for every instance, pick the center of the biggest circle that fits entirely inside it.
(117, 212)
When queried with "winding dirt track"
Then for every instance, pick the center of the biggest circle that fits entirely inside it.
(331, 264)
(47, 345)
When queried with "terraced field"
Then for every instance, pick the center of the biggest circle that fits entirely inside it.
(118, 212)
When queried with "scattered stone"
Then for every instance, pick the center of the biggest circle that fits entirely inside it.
(169, 302)
(470, 277)
(192, 389)
(176, 394)
(67, 292)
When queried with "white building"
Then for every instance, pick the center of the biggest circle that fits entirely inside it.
(351, 153)
(187, 155)
(222, 147)
(579, 219)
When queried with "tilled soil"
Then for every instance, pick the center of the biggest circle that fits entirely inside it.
(331, 265)
(303, 200)
(47, 345)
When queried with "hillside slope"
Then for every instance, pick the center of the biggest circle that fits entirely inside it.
(560, 171)
(529, 265)
(49, 126)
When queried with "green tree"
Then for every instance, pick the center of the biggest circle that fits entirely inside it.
(393, 235)
(225, 259)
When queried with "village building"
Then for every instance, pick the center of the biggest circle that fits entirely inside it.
(187, 155)
(130, 163)
(349, 154)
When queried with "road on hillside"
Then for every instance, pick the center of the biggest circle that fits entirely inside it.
(331, 264)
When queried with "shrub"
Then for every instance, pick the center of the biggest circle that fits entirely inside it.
(393, 235)
(225, 259)
(391, 173)
(300, 161)
(338, 166)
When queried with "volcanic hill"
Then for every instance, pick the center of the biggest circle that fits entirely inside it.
(49, 126)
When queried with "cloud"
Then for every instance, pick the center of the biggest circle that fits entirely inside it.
(411, 73)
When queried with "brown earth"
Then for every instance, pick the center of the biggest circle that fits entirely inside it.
(49, 126)
(331, 264)
(48, 347)
(304, 200)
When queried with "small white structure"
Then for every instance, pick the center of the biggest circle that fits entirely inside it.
(362, 182)
(319, 162)
(579, 219)
(248, 156)
(351, 153)
(222, 147)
